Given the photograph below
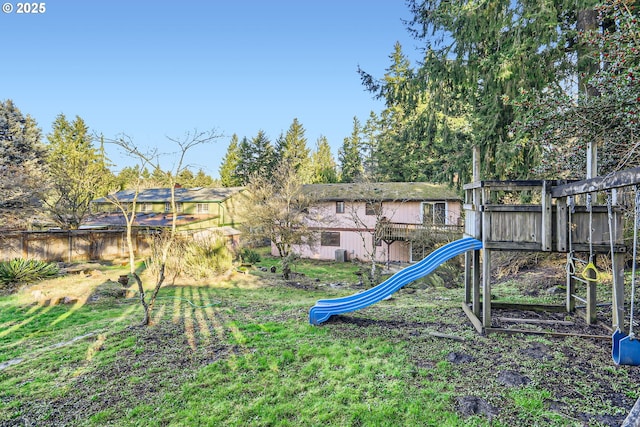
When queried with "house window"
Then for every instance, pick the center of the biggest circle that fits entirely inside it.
(330, 238)
(339, 207)
(147, 207)
(434, 213)
(202, 207)
(373, 208)
(167, 207)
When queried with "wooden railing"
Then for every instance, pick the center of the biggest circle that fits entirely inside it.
(390, 231)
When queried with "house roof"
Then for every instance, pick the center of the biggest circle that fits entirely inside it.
(381, 191)
(117, 219)
(163, 195)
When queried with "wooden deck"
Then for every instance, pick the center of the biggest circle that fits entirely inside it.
(392, 232)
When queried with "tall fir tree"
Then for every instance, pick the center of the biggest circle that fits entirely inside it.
(351, 168)
(323, 165)
(399, 145)
(370, 132)
(22, 167)
(229, 168)
(292, 148)
(477, 58)
(257, 156)
(78, 172)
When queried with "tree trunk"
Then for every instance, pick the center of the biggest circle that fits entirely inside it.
(588, 63)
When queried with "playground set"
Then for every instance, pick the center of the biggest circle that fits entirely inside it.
(581, 219)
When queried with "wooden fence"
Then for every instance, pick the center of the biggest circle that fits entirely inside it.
(71, 246)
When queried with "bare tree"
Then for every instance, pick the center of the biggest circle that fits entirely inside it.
(372, 224)
(151, 159)
(278, 210)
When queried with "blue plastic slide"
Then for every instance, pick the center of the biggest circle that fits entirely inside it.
(325, 308)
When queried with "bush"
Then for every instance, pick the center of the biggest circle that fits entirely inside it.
(19, 271)
(249, 256)
(206, 257)
(198, 258)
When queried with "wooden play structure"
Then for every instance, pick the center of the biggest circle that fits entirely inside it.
(580, 219)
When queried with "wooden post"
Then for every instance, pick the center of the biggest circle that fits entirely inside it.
(25, 244)
(562, 225)
(475, 168)
(486, 289)
(592, 160)
(468, 259)
(546, 228)
(476, 283)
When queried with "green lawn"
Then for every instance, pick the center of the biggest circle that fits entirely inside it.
(240, 352)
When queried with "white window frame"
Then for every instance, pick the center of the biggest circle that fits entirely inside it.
(202, 208)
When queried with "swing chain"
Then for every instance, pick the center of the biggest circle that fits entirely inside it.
(637, 219)
(590, 210)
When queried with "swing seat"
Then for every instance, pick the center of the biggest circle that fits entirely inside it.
(625, 349)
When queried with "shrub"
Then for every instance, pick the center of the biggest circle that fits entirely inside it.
(199, 258)
(249, 256)
(206, 257)
(19, 271)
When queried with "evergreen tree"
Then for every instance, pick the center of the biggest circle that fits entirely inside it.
(128, 177)
(323, 165)
(185, 178)
(603, 111)
(230, 163)
(401, 144)
(257, 156)
(78, 172)
(203, 180)
(349, 155)
(371, 132)
(21, 166)
(292, 148)
(477, 58)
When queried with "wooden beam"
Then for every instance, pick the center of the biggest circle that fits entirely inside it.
(623, 178)
(474, 320)
(468, 261)
(553, 334)
(532, 307)
(511, 208)
(486, 288)
(536, 321)
(475, 283)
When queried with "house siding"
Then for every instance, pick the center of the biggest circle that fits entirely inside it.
(357, 229)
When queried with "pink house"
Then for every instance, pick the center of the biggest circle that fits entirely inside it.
(389, 221)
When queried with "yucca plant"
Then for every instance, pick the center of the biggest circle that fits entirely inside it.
(20, 270)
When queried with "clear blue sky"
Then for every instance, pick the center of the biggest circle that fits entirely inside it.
(152, 69)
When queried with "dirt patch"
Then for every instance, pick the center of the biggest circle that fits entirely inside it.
(473, 405)
(159, 363)
(585, 386)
